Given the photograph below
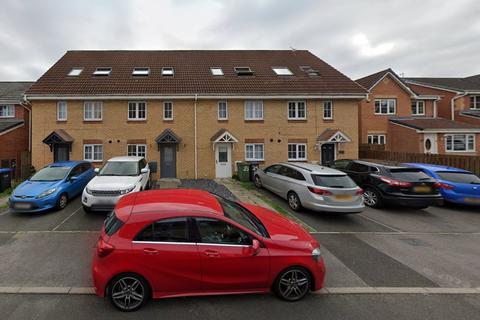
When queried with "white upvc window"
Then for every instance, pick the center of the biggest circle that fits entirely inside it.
(460, 142)
(418, 107)
(297, 151)
(377, 139)
(93, 110)
(474, 102)
(297, 110)
(137, 150)
(222, 110)
(62, 111)
(168, 110)
(385, 106)
(7, 111)
(93, 152)
(137, 110)
(328, 110)
(254, 110)
(254, 152)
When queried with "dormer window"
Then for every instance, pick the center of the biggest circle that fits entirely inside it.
(139, 72)
(167, 72)
(75, 72)
(243, 71)
(282, 71)
(216, 71)
(102, 72)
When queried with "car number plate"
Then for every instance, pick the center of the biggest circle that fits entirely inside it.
(343, 197)
(22, 205)
(472, 200)
(422, 189)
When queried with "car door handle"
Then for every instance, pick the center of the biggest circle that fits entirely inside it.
(211, 253)
(150, 251)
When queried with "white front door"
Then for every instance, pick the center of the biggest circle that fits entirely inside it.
(430, 143)
(223, 160)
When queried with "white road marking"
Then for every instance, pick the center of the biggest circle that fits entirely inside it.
(379, 223)
(65, 220)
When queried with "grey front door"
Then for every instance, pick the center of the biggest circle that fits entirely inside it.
(168, 161)
(60, 153)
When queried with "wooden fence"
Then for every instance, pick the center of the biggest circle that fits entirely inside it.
(471, 163)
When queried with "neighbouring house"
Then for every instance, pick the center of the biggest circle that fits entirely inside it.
(14, 128)
(405, 119)
(460, 97)
(195, 114)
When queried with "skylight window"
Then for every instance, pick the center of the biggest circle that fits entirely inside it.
(167, 72)
(243, 71)
(141, 71)
(102, 72)
(75, 72)
(216, 71)
(310, 71)
(282, 71)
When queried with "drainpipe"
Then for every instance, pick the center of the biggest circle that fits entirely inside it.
(435, 111)
(453, 103)
(24, 105)
(195, 135)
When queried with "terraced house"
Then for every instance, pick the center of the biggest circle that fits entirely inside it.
(194, 113)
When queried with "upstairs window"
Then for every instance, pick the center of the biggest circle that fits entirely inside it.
(216, 71)
(75, 72)
(102, 72)
(327, 110)
(297, 110)
(137, 110)
(168, 110)
(418, 107)
(282, 71)
(168, 72)
(385, 106)
(474, 102)
(253, 110)
(222, 110)
(243, 71)
(141, 72)
(62, 111)
(92, 111)
(7, 111)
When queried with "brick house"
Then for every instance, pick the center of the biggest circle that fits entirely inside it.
(14, 126)
(194, 113)
(405, 119)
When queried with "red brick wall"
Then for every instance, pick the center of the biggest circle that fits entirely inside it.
(443, 105)
(402, 139)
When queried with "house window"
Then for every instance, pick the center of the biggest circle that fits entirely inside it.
(297, 110)
(474, 102)
(62, 111)
(254, 151)
(137, 111)
(222, 110)
(137, 150)
(168, 72)
(328, 110)
(418, 107)
(92, 110)
(216, 71)
(7, 111)
(253, 110)
(376, 139)
(75, 72)
(168, 111)
(243, 71)
(460, 142)
(102, 72)
(385, 106)
(93, 152)
(297, 151)
(282, 71)
(141, 72)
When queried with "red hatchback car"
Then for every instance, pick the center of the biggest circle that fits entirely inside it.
(169, 243)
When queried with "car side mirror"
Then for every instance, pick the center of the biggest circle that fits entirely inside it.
(144, 170)
(255, 247)
(97, 170)
(73, 179)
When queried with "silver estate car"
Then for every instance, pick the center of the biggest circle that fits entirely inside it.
(311, 186)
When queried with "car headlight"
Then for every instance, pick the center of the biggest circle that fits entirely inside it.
(316, 254)
(125, 191)
(46, 193)
(88, 190)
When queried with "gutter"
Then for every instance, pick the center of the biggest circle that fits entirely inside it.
(195, 135)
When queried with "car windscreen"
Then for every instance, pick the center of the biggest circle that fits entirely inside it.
(120, 168)
(409, 174)
(112, 224)
(459, 177)
(333, 181)
(51, 173)
(242, 216)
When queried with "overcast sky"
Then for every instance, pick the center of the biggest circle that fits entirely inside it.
(414, 37)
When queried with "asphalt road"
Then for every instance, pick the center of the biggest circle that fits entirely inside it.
(389, 248)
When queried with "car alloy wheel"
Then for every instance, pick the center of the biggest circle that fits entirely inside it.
(257, 182)
(293, 284)
(294, 201)
(62, 201)
(128, 293)
(370, 198)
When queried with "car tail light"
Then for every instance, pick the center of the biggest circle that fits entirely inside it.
(444, 186)
(395, 183)
(104, 248)
(359, 192)
(319, 191)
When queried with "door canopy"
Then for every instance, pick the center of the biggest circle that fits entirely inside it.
(59, 136)
(168, 136)
(333, 136)
(223, 136)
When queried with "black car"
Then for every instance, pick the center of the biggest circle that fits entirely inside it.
(390, 183)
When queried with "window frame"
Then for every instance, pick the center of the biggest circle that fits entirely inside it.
(388, 107)
(141, 71)
(166, 72)
(137, 111)
(164, 109)
(136, 145)
(221, 73)
(92, 145)
(452, 137)
(330, 103)
(416, 107)
(282, 71)
(246, 105)
(65, 104)
(10, 111)
(75, 72)
(226, 110)
(254, 151)
(475, 102)
(297, 152)
(102, 72)
(93, 112)
(296, 108)
(371, 138)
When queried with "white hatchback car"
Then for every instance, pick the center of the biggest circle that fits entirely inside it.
(118, 177)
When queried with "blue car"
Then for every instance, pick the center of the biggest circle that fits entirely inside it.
(52, 187)
(456, 185)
